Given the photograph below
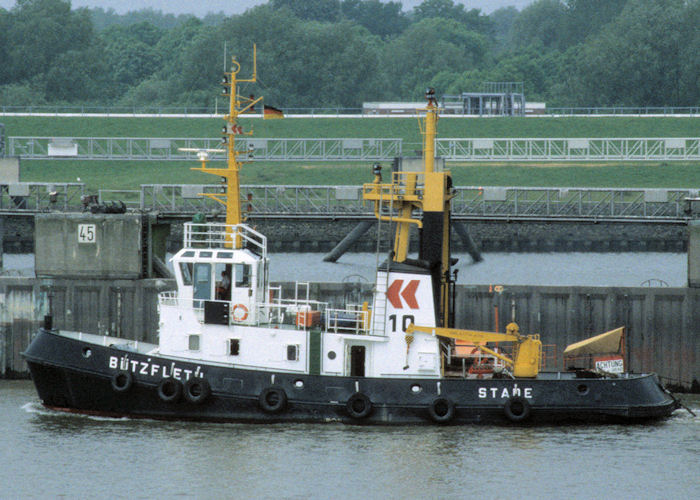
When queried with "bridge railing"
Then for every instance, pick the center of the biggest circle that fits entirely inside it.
(169, 148)
(257, 199)
(346, 201)
(477, 201)
(358, 149)
(42, 196)
(570, 149)
(572, 202)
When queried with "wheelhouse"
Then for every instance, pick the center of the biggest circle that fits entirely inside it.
(223, 264)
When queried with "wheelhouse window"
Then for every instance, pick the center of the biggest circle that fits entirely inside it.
(186, 272)
(242, 275)
(223, 281)
(202, 281)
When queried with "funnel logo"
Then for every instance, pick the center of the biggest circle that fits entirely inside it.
(395, 294)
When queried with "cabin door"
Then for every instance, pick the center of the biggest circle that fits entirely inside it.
(357, 361)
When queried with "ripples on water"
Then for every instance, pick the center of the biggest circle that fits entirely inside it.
(52, 454)
(572, 269)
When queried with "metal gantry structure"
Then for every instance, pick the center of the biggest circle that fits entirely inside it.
(165, 149)
(470, 202)
(359, 149)
(570, 149)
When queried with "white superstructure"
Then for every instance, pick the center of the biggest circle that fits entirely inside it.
(250, 325)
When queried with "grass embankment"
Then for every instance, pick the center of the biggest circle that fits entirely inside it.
(131, 174)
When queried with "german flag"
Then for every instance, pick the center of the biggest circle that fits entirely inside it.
(270, 112)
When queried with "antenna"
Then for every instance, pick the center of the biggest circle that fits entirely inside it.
(230, 195)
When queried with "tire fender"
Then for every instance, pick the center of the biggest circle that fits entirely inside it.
(122, 381)
(273, 399)
(197, 390)
(358, 406)
(441, 410)
(517, 409)
(170, 390)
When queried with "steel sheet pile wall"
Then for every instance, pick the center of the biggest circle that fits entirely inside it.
(662, 323)
(21, 304)
(662, 332)
(120, 308)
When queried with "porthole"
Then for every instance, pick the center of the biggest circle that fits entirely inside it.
(331, 354)
(415, 388)
(582, 389)
(298, 384)
(87, 352)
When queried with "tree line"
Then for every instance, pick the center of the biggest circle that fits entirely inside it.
(340, 53)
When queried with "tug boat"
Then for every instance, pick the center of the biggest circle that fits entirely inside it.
(231, 348)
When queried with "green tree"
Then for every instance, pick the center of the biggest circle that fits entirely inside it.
(130, 53)
(382, 19)
(75, 76)
(637, 59)
(305, 64)
(542, 24)
(587, 17)
(689, 79)
(427, 48)
(22, 94)
(311, 10)
(5, 65)
(503, 20)
(148, 92)
(447, 9)
(41, 30)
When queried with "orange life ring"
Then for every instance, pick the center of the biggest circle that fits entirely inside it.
(242, 317)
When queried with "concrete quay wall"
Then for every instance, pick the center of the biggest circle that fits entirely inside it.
(662, 323)
(294, 235)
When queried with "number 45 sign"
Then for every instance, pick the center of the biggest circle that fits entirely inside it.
(87, 233)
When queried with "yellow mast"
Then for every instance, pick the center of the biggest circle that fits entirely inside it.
(431, 118)
(230, 174)
(428, 191)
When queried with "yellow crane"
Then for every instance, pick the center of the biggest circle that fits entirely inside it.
(527, 354)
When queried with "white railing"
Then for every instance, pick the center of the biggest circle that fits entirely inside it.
(301, 314)
(214, 235)
(351, 320)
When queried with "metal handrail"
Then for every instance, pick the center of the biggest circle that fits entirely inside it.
(346, 201)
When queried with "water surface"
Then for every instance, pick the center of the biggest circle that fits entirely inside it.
(55, 455)
(546, 269)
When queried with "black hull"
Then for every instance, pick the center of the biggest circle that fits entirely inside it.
(68, 378)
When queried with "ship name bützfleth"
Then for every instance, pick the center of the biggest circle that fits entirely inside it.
(153, 369)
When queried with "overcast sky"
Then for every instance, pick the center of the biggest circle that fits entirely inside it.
(202, 7)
